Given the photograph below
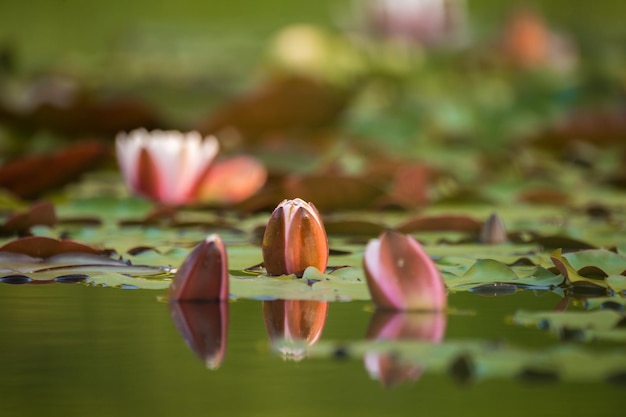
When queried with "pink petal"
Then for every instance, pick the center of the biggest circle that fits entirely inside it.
(232, 181)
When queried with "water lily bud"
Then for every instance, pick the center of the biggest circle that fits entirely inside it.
(294, 321)
(401, 276)
(493, 231)
(204, 273)
(294, 239)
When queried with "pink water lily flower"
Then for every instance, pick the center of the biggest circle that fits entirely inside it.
(401, 276)
(294, 239)
(203, 276)
(165, 166)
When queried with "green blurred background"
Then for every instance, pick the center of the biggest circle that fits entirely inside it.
(62, 32)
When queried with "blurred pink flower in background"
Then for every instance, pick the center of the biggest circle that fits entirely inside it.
(175, 168)
(165, 166)
(427, 22)
(401, 276)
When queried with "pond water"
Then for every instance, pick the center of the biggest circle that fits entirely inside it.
(73, 350)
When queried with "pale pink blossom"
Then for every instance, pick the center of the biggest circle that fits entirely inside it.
(165, 166)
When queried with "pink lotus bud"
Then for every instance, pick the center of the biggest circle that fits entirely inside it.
(401, 276)
(294, 321)
(165, 166)
(294, 239)
(204, 273)
(390, 369)
(204, 327)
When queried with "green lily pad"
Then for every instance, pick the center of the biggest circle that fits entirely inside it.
(473, 360)
(582, 326)
(490, 271)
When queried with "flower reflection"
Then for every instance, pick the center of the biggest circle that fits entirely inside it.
(296, 322)
(204, 327)
(389, 368)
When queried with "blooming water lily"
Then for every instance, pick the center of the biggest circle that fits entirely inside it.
(165, 166)
(175, 168)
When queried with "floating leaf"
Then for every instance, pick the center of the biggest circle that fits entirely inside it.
(443, 223)
(568, 271)
(617, 283)
(31, 176)
(44, 247)
(609, 262)
(491, 272)
(41, 213)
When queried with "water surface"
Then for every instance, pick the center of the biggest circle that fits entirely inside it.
(73, 350)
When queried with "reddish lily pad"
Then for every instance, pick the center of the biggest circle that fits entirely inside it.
(282, 104)
(443, 223)
(31, 176)
(41, 213)
(45, 247)
(353, 227)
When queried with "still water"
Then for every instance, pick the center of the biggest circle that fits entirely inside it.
(73, 350)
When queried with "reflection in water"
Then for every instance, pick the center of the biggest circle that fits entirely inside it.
(297, 322)
(204, 327)
(389, 368)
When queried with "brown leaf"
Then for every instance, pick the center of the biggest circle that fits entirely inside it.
(597, 127)
(31, 176)
(353, 227)
(280, 105)
(566, 243)
(330, 192)
(546, 196)
(409, 187)
(45, 247)
(443, 223)
(62, 106)
(41, 213)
